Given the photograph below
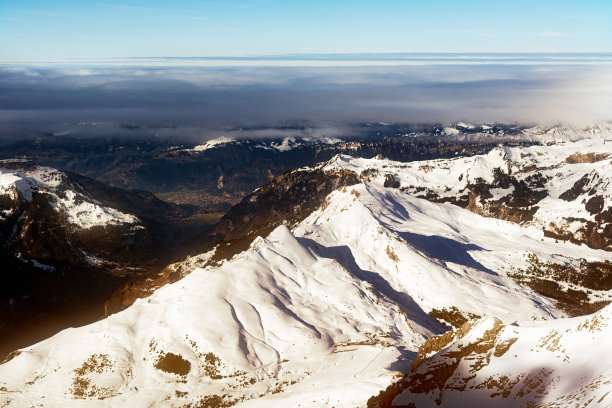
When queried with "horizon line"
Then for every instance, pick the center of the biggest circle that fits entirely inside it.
(341, 59)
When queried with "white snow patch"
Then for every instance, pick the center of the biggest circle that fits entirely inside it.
(212, 143)
(79, 210)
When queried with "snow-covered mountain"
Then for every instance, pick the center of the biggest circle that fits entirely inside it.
(328, 309)
(215, 172)
(560, 363)
(563, 189)
(460, 131)
(508, 132)
(33, 197)
(67, 243)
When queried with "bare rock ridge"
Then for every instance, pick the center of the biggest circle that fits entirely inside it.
(477, 365)
(288, 198)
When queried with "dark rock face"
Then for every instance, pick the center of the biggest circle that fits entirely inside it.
(518, 206)
(597, 232)
(288, 198)
(595, 205)
(390, 181)
(37, 229)
(581, 278)
(43, 234)
(577, 189)
(597, 235)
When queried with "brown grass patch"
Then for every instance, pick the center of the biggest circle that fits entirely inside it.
(212, 401)
(173, 363)
(586, 157)
(83, 386)
(391, 254)
(452, 316)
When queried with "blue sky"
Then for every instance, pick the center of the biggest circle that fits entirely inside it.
(50, 30)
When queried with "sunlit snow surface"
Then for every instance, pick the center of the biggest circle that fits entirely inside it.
(78, 209)
(450, 178)
(212, 143)
(325, 314)
(562, 363)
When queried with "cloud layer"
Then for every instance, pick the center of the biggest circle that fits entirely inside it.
(201, 102)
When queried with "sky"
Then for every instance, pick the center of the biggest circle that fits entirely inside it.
(86, 67)
(42, 30)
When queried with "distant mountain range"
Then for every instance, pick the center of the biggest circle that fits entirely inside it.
(214, 175)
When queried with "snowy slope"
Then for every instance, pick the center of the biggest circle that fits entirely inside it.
(220, 141)
(562, 363)
(282, 145)
(324, 315)
(20, 181)
(46, 217)
(564, 189)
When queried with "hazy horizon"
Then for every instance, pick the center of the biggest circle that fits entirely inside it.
(333, 59)
(200, 102)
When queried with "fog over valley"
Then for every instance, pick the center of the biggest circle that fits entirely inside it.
(201, 103)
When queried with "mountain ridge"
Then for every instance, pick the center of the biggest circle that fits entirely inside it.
(69, 242)
(473, 366)
(330, 310)
(334, 293)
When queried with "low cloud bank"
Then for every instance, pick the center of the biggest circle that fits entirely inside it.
(201, 103)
